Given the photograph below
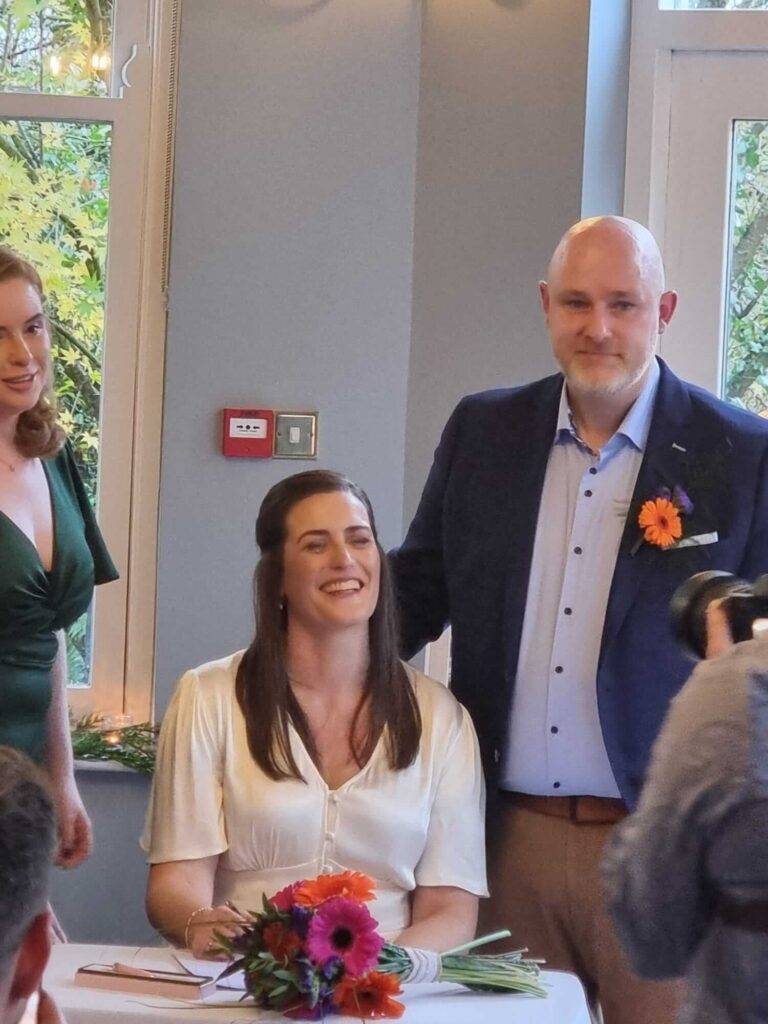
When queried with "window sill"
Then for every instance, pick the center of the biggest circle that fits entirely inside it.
(104, 766)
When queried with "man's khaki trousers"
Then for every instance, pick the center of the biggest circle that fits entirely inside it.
(545, 885)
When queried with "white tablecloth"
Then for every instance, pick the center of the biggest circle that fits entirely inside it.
(425, 1004)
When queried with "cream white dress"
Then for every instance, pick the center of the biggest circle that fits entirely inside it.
(422, 826)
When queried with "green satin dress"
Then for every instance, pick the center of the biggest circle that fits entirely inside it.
(34, 604)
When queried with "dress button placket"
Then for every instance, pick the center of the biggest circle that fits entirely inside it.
(331, 811)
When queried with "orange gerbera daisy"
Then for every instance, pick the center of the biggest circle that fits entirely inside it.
(660, 521)
(352, 885)
(369, 997)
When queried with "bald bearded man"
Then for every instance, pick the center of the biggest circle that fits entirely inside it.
(528, 541)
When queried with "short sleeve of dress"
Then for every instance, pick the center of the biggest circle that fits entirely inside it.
(185, 818)
(103, 567)
(455, 850)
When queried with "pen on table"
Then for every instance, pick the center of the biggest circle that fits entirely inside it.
(139, 972)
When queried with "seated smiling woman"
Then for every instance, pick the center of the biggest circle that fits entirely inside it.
(316, 750)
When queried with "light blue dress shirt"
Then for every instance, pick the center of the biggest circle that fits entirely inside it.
(555, 744)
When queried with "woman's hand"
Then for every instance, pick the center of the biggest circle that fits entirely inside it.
(41, 1009)
(74, 826)
(47, 1010)
(200, 938)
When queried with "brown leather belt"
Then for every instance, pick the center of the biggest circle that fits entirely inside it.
(751, 915)
(593, 810)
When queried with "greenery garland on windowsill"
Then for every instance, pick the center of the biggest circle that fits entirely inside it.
(134, 746)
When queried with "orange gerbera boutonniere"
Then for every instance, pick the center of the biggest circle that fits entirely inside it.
(660, 522)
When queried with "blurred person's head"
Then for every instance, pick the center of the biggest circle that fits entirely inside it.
(27, 843)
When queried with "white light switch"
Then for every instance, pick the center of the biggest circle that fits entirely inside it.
(294, 435)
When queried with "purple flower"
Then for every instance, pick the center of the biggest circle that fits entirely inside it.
(317, 995)
(331, 968)
(307, 978)
(681, 499)
(664, 492)
(300, 918)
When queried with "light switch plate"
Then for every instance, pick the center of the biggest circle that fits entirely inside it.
(295, 435)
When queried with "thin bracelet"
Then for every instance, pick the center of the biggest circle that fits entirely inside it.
(190, 919)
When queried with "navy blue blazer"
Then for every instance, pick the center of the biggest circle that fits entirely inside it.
(466, 558)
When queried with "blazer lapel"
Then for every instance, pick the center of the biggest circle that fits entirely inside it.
(668, 448)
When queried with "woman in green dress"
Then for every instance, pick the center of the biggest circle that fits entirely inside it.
(51, 552)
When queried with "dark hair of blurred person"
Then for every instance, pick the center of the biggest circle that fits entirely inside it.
(27, 843)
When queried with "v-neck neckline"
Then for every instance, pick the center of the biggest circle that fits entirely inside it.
(353, 778)
(54, 559)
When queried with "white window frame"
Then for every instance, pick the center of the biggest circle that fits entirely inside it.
(655, 36)
(141, 109)
(655, 193)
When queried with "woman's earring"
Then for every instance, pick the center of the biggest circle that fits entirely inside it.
(281, 604)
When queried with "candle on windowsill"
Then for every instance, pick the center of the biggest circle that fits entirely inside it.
(112, 725)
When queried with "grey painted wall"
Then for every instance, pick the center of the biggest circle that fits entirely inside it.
(298, 258)
(103, 900)
(290, 280)
(501, 132)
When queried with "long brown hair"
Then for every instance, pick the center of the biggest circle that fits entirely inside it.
(38, 432)
(262, 687)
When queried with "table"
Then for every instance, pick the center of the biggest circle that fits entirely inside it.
(425, 1004)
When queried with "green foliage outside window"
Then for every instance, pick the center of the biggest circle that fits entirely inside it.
(747, 341)
(55, 46)
(54, 205)
(54, 198)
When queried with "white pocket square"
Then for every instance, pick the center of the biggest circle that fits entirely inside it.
(697, 541)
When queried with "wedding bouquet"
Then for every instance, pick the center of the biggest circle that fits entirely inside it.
(314, 950)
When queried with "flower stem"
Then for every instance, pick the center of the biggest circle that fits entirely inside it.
(503, 934)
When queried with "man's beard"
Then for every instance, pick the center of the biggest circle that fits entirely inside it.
(602, 385)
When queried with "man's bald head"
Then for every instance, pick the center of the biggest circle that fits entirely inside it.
(605, 305)
(629, 239)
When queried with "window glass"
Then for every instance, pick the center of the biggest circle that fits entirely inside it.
(56, 46)
(746, 348)
(713, 5)
(54, 208)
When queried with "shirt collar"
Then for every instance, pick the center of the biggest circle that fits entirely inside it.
(635, 425)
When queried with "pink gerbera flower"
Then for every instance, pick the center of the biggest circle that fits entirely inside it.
(344, 929)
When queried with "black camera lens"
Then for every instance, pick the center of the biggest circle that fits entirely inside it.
(688, 607)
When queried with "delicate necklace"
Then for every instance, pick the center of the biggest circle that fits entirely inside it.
(11, 465)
